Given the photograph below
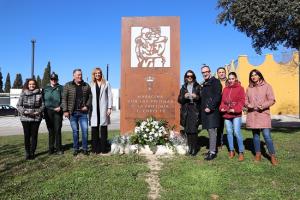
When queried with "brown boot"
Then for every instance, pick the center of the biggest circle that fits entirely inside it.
(241, 156)
(231, 154)
(257, 157)
(274, 161)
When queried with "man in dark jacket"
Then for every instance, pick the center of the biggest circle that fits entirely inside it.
(211, 98)
(52, 96)
(76, 102)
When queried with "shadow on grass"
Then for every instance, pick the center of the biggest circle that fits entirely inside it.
(289, 130)
(203, 142)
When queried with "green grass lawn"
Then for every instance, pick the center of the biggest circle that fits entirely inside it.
(123, 177)
(194, 178)
(66, 177)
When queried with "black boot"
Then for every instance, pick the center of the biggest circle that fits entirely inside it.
(27, 156)
(32, 156)
(210, 156)
(194, 141)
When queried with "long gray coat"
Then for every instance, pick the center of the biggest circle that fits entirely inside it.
(105, 102)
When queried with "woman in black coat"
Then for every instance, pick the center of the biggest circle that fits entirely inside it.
(189, 98)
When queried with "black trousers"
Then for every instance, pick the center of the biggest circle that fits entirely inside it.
(220, 132)
(192, 140)
(30, 136)
(54, 124)
(99, 141)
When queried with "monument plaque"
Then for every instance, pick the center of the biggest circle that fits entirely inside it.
(150, 74)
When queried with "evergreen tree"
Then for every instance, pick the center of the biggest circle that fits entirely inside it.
(1, 83)
(7, 83)
(47, 73)
(18, 83)
(39, 81)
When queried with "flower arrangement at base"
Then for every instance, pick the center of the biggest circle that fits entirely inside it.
(151, 132)
(150, 136)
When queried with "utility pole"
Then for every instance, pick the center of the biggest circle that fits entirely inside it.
(107, 68)
(33, 41)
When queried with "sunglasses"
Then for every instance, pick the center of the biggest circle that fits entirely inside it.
(188, 76)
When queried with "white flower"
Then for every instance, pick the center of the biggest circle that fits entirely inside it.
(137, 129)
(147, 129)
(156, 135)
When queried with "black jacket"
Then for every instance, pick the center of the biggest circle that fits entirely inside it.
(211, 95)
(190, 112)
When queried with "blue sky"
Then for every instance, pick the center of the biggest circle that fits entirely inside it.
(85, 34)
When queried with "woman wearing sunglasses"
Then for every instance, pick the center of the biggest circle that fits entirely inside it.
(189, 98)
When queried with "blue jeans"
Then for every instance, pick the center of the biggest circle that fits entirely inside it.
(234, 126)
(268, 139)
(82, 119)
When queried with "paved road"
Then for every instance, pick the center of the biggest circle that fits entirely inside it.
(13, 126)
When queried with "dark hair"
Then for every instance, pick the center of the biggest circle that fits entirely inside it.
(189, 71)
(235, 75)
(25, 87)
(232, 73)
(76, 70)
(221, 68)
(258, 73)
(205, 66)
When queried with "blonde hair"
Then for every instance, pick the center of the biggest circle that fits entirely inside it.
(103, 81)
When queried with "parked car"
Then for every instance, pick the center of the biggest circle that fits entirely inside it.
(8, 110)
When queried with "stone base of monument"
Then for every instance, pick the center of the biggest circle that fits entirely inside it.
(158, 150)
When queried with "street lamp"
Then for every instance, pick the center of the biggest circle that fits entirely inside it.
(107, 71)
(33, 41)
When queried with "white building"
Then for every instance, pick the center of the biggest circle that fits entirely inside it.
(15, 94)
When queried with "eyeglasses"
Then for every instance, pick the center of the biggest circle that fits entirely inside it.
(53, 79)
(252, 75)
(205, 72)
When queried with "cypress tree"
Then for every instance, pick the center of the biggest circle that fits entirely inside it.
(18, 83)
(47, 73)
(7, 83)
(39, 81)
(1, 83)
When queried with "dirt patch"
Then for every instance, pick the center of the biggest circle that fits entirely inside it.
(152, 177)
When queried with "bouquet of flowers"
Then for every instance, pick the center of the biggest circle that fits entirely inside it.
(150, 132)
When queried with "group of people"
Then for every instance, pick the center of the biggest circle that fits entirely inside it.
(78, 101)
(213, 103)
(219, 101)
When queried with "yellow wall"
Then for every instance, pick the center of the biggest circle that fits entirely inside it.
(284, 78)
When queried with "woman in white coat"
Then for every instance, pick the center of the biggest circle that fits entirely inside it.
(100, 110)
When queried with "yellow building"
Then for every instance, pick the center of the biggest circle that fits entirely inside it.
(284, 78)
